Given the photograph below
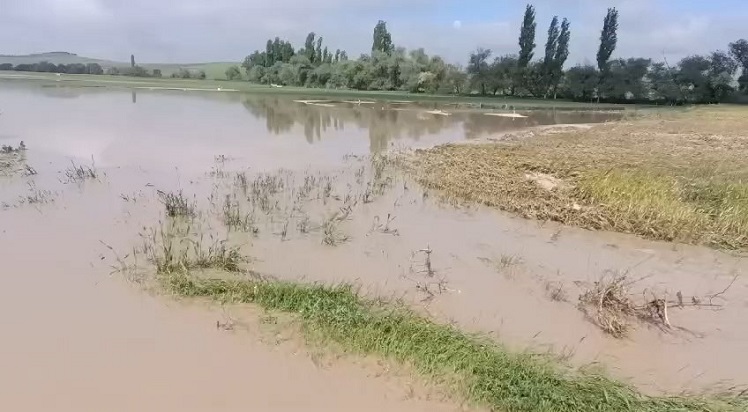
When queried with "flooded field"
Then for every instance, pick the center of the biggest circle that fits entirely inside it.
(299, 188)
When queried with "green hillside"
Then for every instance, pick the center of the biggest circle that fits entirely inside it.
(56, 58)
(213, 70)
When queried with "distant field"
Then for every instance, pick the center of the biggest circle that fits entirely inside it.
(213, 70)
(84, 80)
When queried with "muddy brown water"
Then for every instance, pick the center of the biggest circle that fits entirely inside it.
(76, 337)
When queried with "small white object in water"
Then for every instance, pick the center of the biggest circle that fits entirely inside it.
(513, 115)
(439, 112)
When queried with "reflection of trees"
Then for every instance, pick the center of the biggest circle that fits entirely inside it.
(277, 121)
(61, 92)
(386, 122)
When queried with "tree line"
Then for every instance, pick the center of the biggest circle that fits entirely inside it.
(694, 79)
(47, 67)
(386, 68)
(95, 68)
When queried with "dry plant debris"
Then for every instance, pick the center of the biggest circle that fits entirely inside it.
(670, 175)
(610, 304)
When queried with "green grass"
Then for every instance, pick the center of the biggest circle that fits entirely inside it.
(475, 367)
(671, 208)
(84, 80)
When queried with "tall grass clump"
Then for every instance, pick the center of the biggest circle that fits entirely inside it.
(236, 218)
(177, 204)
(174, 248)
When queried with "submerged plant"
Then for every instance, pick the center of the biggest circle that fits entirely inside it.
(78, 173)
(175, 249)
(236, 219)
(36, 196)
(177, 204)
(331, 234)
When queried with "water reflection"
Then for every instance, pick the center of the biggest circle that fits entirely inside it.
(387, 122)
(143, 127)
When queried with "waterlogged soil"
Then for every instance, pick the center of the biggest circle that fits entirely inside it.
(77, 337)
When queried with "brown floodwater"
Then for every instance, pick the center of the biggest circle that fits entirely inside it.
(76, 337)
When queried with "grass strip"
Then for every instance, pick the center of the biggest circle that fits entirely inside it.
(478, 368)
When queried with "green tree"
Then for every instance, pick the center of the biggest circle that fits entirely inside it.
(455, 80)
(693, 78)
(527, 37)
(233, 73)
(551, 50)
(526, 46)
(94, 68)
(478, 69)
(382, 40)
(581, 82)
(722, 71)
(562, 54)
(608, 39)
(358, 74)
(739, 51)
(184, 74)
(256, 74)
(625, 80)
(502, 74)
(157, 73)
(320, 75)
(663, 84)
(536, 80)
(318, 54)
(309, 47)
(608, 43)
(302, 67)
(76, 68)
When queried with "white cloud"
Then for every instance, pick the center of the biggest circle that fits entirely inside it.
(196, 30)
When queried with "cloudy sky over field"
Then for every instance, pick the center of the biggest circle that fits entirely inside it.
(228, 30)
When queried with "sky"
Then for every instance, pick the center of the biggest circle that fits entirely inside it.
(183, 31)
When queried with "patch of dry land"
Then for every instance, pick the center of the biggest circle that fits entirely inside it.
(678, 176)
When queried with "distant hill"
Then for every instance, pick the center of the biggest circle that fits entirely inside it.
(56, 58)
(213, 70)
